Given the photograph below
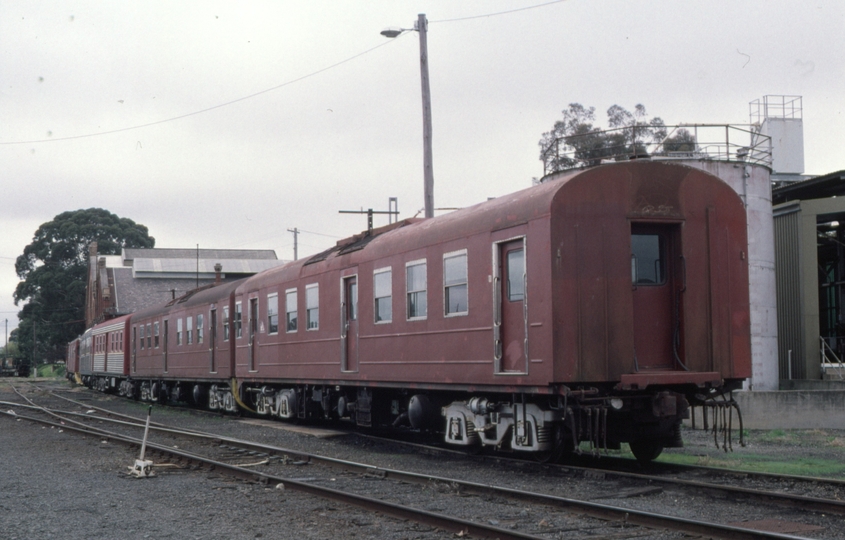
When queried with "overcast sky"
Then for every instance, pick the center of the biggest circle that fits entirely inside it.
(308, 110)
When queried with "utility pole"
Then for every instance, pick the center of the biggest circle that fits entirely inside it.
(421, 26)
(34, 368)
(6, 348)
(369, 213)
(428, 168)
(393, 208)
(295, 232)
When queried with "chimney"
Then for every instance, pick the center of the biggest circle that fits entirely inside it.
(217, 269)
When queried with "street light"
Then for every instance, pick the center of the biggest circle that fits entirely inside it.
(421, 26)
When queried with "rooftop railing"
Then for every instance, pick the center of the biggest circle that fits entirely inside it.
(705, 142)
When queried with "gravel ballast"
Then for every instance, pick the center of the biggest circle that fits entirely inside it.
(63, 485)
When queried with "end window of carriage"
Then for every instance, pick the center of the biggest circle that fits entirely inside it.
(312, 306)
(225, 323)
(383, 295)
(416, 289)
(455, 292)
(648, 259)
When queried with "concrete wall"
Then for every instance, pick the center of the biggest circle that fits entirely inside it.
(791, 409)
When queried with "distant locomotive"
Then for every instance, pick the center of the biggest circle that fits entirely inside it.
(597, 306)
(11, 367)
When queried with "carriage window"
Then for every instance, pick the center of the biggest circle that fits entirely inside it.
(647, 259)
(416, 287)
(273, 314)
(383, 294)
(178, 333)
(155, 334)
(455, 283)
(149, 336)
(290, 310)
(226, 323)
(516, 275)
(141, 335)
(199, 328)
(239, 328)
(189, 330)
(312, 306)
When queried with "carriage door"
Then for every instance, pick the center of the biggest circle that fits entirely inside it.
(510, 343)
(656, 309)
(253, 330)
(349, 324)
(212, 341)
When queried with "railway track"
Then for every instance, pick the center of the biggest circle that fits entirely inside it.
(346, 478)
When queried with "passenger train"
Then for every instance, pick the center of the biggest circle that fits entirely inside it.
(595, 307)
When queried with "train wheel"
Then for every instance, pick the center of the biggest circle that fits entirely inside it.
(562, 446)
(645, 450)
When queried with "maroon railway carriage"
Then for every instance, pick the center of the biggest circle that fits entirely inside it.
(182, 350)
(596, 306)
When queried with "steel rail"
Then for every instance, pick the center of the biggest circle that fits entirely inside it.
(813, 504)
(443, 521)
(596, 510)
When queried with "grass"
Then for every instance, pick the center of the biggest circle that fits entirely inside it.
(802, 452)
(801, 466)
(51, 370)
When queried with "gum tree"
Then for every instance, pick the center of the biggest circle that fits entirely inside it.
(54, 272)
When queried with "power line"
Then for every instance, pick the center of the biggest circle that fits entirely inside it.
(499, 12)
(320, 234)
(208, 109)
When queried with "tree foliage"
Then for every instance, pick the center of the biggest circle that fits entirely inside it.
(680, 141)
(54, 273)
(575, 140)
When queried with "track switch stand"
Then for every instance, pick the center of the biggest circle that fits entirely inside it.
(143, 468)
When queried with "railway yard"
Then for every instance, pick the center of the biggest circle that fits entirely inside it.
(270, 480)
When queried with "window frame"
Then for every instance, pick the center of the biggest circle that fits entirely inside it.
(408, 293)
(272, 299)
(288, 311)
(316, 309)
(661, 260)
(461, 253)
(239, 320)
(380, 272)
